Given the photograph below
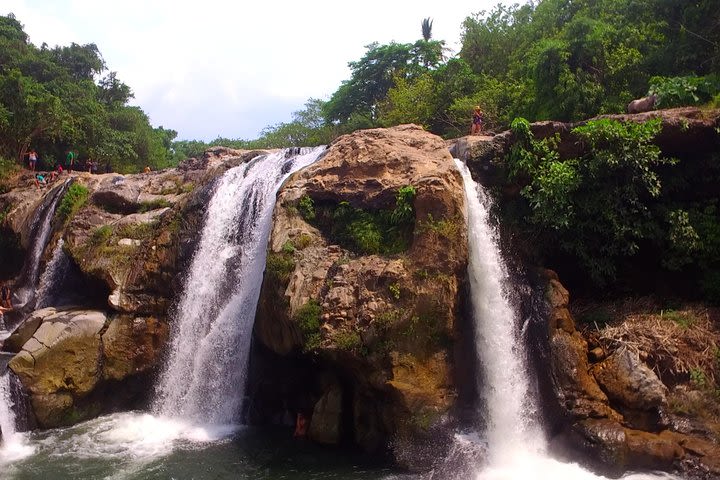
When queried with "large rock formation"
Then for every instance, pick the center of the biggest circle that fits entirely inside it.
(687, 131)
(383, 323)
(71, 353)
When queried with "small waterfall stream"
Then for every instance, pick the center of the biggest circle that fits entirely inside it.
(516, 444)
(205, 374)
(40, 233)
(54, 271)
(13, 444)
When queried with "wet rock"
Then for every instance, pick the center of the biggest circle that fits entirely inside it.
(132, 346)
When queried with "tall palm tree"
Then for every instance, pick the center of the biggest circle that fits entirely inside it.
(427, 29)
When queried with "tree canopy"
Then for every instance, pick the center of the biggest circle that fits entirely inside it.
(54, 100)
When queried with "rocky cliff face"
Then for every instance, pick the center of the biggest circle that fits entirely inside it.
(382, 325)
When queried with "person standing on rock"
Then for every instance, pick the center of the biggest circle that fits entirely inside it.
(477, 120)
(70, 161)
(32, 160)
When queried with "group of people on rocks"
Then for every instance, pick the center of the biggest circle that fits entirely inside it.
(45, 177)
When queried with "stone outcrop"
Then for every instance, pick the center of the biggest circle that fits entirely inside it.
(385, 323)
(613, 410)
(71, 353)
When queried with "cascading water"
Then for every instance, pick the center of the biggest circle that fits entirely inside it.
(13, 445)
(516, 446)
(205, 375)
(50, 279)
(40, 234)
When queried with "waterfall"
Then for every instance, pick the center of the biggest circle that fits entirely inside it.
(516, 445)
(55, 270)
(511, 414)
(205, 374)
(12, 443)
(40, 234)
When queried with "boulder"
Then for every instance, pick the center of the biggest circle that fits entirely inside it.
(26, 330)
(644, 104)
(61, 362)
(630, 382)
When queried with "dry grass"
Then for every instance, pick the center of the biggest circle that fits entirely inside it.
(681, 344)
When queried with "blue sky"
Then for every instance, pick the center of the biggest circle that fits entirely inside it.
(219, 68)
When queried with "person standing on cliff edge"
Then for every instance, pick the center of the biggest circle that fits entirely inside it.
(70, 161)
(477, 120)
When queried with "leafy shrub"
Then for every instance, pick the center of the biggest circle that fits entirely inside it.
(307, 318)
(680, 91)
(74, 198)
(348, 340)
(279, 266)
(595, 207)
(306, 207)
(367, 231)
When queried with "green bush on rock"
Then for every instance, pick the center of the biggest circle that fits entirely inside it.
(595, 207)
(74, 198)
(364, 231)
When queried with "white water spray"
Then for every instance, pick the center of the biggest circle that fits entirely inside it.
(13, 445)
(54, 271)
(205, 375)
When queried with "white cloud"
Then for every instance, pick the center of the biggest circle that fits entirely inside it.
(229, 68)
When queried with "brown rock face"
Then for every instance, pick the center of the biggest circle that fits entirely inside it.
(70, 357)
(609, 405)
(385, 323)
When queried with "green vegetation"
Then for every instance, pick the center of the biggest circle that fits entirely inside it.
(279, 266)
(51, 101)
(137, 231)
(348, 340)
(578, 202)
(445, 227)
(101, 235)
(306, 207)
(679, 91)
(548, 59)
(385, 232)
(74, 198)
(307, 318)
(394, 290)
(7, 169)
(303, 241)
